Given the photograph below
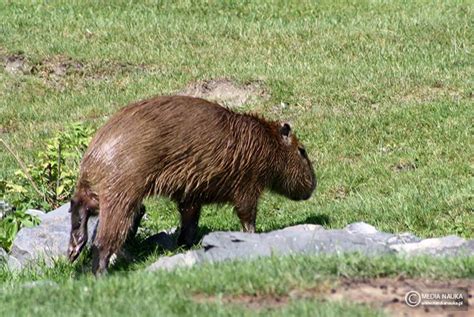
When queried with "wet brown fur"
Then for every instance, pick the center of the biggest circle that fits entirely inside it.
(191, 150)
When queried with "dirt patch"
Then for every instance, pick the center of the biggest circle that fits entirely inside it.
(226, 92)
(387, 294)
(265, 301)
(58, 66)
(249, 301)
(17, 64)
(61, 71)
(339, 192)
(404, 166)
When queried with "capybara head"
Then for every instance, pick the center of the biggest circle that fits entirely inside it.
(295, 178)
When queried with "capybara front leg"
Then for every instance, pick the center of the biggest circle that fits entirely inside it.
(245, 203)
(189, 223)
(247, 213)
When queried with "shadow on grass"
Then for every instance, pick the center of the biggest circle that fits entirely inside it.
(319, 219)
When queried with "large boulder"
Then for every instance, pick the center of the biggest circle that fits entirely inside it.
(48, 240)
(313, 239)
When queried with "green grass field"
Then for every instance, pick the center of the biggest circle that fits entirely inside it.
(175, 293)
(380, 92)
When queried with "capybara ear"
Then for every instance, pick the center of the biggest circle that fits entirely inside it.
(285, 131)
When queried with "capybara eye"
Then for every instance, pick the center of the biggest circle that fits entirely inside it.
(285, 129)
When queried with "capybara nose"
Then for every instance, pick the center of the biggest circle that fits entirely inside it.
(306, 196)
(75, 249)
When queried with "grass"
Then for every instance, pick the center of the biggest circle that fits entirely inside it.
(379, 92)
(172, 293)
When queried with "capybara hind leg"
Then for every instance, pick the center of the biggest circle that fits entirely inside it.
(78, 236)
(114, 226)
(189, 223)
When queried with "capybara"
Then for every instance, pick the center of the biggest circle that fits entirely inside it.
(191, 150)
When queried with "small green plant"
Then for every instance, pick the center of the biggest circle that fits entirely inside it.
(11, 224)
(48, 182)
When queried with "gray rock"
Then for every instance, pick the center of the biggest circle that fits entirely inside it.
(13, 264)
(303, 239)
(381, 237)
(304, 227)
(468, 248)
(49, 239)
(186, 259)
(35, 213)
(229, 245)
(402, 238)
(361, 227)
(5, 209)
(312, 239)
(450, 245)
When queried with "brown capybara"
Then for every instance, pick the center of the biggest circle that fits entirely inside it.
(191, 150)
